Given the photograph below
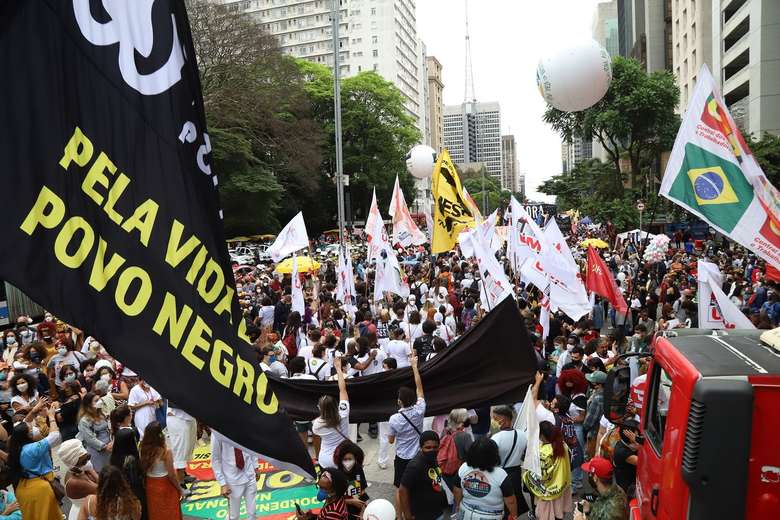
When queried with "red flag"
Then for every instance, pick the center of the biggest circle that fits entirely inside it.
(599, 280)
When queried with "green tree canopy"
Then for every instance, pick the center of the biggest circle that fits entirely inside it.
(635, 118)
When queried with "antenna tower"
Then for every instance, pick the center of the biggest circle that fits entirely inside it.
(469, 93)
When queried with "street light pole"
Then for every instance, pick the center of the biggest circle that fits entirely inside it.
(335, 15)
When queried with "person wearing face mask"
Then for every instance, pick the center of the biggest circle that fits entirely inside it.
(80, 478)
(67, 415)
(107, 402)
(421, 494)
(94, 430)
(406, 425)
(269, 362)
(25, 393)
(119, 389)
(511, 450)
(349, 459)
(88, 375)
(235, 470)
(10, 346)
(332, 486)
(332, 425)
(32, 470)
(5, 393)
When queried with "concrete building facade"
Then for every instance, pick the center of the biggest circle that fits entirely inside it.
(691, 43)
(509, 160)
(374, 35)
(644, 32)
(746, 61)
(435, 103)
(574, 152)
(472, 133)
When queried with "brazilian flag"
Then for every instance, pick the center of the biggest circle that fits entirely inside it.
(712, 186)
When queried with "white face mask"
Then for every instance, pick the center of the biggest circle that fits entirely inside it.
(348, 464)
(87, 466)
(10, 341)
(106, 377)
(62, 351)
(22, 387)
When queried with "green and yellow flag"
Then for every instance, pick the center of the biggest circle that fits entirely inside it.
(451, 214)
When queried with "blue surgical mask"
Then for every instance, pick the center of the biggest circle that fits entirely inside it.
(3, 376)
(273, 358)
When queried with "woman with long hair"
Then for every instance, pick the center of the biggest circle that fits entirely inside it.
(70, 403)
(114, 500)
(94, 431)
(125, 457)
(552, 489)
(31, 467)
(291, 334)
(163, 490)
(482, 466)
(332, 425)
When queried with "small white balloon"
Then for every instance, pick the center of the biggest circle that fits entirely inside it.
(379, 509)
(420, 161)
(575, 78)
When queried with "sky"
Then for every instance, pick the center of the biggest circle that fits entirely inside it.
(508, 37)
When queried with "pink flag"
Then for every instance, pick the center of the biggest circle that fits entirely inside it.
(405, 231)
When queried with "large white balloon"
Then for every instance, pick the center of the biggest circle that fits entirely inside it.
(420, 161)
(575, 78)
(379, 509)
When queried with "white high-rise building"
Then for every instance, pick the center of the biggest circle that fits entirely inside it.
(509, 158)
(374, 35)
(692, 44)
(472, 134)
(745, 47)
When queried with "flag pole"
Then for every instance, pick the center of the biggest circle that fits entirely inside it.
(336, 13)
(643, 243)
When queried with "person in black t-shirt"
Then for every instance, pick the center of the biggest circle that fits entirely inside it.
(423, 345)
(421, 494)
(624, 458)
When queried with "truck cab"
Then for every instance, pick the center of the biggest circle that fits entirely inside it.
(710, 421)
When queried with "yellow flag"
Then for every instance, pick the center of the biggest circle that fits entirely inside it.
(451, 214)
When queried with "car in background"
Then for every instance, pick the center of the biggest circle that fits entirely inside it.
(262, 254)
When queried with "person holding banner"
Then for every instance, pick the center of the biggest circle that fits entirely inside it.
(332, 425)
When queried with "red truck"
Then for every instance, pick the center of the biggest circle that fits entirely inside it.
(711, 426)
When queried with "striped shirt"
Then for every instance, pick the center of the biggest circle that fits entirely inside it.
(336, 510)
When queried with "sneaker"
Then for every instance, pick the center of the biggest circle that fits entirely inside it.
(359, 438)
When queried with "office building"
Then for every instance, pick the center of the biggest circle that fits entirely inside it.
(520, 185)
(691, 43)
(380, 36)
(746, 43)
(574, 152)
(644, 32)
(472, 133)
(435, 102)
(509, 160)
(605, 27)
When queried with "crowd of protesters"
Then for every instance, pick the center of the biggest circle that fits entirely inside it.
(85, 436)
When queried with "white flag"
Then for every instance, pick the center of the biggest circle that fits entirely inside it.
(405, 231)
(528, 422)
(292, 238)
(298, 303)
(716, 310)
(375, 230)
(494, 285)
(429, 223)
(544, 313)
(345, 285)
(389, 277)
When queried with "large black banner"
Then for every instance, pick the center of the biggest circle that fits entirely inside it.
(111, 217)
(492, 363)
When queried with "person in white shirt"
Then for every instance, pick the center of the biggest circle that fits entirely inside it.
(317, 366)
(182, 431)
(399, 349)
(406, 425)
(384, 427)
(143, 400)
(235, 470)
(269, 363)
(511, 451)
(332, 425)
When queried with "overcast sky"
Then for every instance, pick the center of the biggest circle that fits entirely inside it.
(507, 39)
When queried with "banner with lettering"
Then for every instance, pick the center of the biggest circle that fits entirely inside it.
(111, 217)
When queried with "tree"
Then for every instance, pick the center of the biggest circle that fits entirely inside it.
(767, 153)
(588, 188)
(635, 118)
(377, 132)
(471, 179)
(265, 139)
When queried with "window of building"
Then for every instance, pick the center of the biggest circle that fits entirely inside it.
(375, 39)
(694, 64)
(376, 53)
(376, 66)
(373, 11)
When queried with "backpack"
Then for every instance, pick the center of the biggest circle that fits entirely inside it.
(448, 454)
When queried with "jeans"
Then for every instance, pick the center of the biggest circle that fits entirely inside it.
(577, 475)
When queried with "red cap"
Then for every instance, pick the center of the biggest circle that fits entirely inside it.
(598, 466)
